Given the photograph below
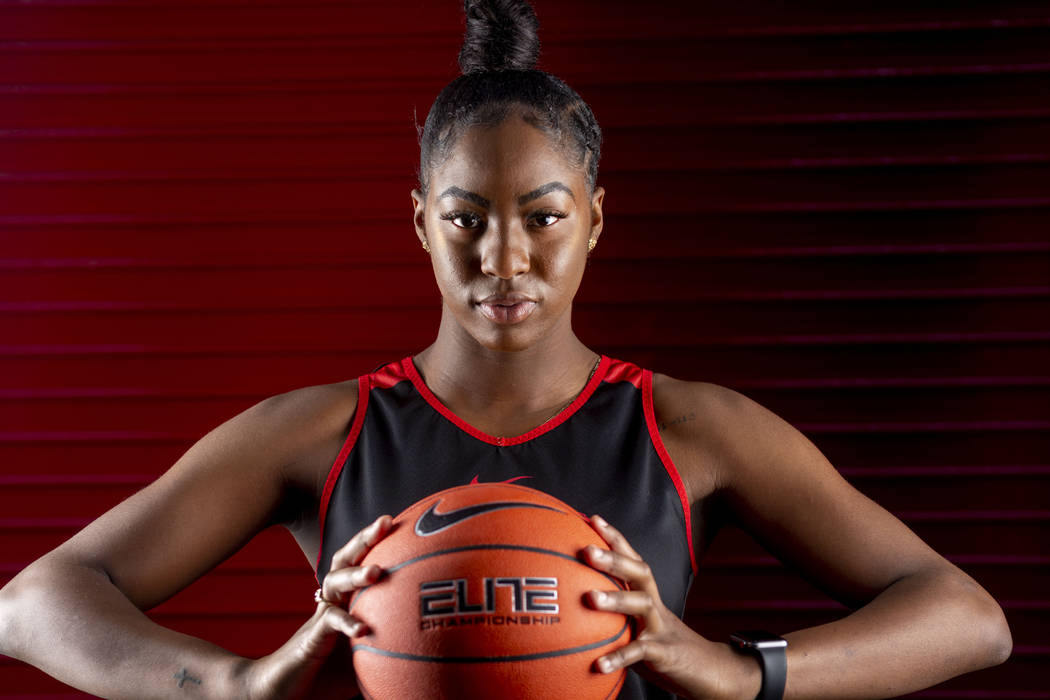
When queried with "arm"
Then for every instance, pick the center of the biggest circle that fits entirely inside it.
(915, 612)
(77, 612)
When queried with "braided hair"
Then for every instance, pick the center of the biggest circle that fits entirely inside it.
(498, 60)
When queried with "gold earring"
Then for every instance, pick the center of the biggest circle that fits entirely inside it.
(591, 243)
(426, 247)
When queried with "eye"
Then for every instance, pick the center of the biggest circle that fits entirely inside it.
(462, 219)
(544, 219)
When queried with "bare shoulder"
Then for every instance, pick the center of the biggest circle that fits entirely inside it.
(305, 413)
(719, 434)
(302, 430)
(281, 427)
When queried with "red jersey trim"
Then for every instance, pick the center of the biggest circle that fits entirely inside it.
(620, 371)
(363, 389)
(389, 375)
(672, 470)
(410, 369)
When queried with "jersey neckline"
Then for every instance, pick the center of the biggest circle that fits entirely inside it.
(409, 368)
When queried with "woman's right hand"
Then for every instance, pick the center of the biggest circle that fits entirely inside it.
(316, 662)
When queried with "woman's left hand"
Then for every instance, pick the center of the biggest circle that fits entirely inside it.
(667, 651)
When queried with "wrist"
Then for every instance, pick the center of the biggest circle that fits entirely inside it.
(744, 674)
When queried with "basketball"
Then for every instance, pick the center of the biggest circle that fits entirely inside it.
(483, 597)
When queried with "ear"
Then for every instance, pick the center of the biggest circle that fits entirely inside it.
(419, 215)
(596, 213)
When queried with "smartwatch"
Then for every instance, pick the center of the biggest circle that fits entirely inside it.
(769, 649)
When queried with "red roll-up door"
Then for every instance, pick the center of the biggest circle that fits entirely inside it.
(840, 209)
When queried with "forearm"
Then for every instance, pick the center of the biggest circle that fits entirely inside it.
(71, 622)
(920, 631)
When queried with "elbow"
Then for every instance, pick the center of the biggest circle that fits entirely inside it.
(983, 618)
(998, 642)
(7, 607)
(973, 618)
(18, 601)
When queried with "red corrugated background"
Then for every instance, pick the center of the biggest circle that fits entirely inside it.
(840, 209)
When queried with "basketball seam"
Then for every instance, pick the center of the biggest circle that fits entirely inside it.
(492, 659)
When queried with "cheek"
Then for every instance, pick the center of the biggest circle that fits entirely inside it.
(451, 270)
(564, 268)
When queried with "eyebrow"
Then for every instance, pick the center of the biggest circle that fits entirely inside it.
(523, 199)
(545, 189)
(464, 194)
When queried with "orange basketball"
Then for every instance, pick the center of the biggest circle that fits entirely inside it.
(483, 598)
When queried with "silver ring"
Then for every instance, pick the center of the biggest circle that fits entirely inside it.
(318, 597)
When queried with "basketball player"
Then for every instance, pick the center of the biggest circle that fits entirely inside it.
(508, 208)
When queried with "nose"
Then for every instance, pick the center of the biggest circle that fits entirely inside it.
(505, 251)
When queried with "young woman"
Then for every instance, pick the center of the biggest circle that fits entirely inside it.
(508, 208)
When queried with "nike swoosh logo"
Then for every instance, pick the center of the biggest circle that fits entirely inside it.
(506, 481)
(431, 522)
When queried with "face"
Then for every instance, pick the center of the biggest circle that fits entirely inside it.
(508, 219)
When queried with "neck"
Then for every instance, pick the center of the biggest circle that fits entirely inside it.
(505, 392)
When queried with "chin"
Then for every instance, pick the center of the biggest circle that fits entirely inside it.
(506, 340)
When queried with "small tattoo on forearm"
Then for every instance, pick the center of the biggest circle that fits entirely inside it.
(183, 677)
(685, 418)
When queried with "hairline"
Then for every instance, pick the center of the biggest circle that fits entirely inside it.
(531, 116)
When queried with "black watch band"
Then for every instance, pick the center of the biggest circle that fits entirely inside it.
(772, 657)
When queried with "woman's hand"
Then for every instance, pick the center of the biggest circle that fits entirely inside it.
(667, 652)
(316, 661)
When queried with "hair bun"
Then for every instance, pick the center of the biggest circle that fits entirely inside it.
(501, 35)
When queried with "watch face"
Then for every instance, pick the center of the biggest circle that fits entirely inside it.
(757, 639)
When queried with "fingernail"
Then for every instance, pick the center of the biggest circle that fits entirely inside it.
(599, 597)
(599, 520)
(604, 665)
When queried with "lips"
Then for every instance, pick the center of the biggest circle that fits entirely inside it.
(507, 308)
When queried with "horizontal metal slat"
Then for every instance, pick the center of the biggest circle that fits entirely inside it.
(934, 448)
(1024, 626)
(802, 146)
(214, 288)
(181, 261)
(129, 457)
(389, 149)
(232, 240)
(955, 430)
(394, 57)
(746, 367)
(314, 195)
(168, 20)
(710, 324)
(389, 152)
(603, 323)
(89, 493)
(50, 453)
(929, 405)
(177, 389)
(954, 534)
(684, 104)
(1021, 491)
(742, 368)
(949, 409)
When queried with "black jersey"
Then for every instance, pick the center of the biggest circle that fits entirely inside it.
(601, 454)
